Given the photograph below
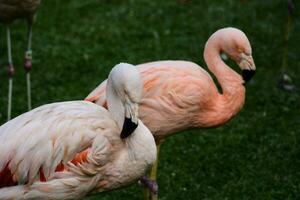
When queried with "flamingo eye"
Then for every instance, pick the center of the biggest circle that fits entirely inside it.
(240, 50)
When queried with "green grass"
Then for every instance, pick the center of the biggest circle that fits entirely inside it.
(255, 156)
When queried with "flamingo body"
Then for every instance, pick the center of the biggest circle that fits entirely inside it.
(179, 95)
(69, 149)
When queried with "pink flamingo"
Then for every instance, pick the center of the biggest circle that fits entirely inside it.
(180, 95)
(69, 149)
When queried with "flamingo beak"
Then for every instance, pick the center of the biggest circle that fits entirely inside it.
(128, 127)
(248, 67)
(131, 119)
(247, 75)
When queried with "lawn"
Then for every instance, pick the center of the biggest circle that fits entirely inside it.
(254, 156)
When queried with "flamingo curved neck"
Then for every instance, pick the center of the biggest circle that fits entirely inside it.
(115, 105)
(231, 100)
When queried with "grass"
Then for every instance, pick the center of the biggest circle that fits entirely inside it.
(255, 156)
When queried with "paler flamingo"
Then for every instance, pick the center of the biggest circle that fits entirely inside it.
(180, 95)
(11, 10)
(67, 150)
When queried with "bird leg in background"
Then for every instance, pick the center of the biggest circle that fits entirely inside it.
(11, 71)
(151, 190)
(285, 82)
(28, 65)
(151, 187)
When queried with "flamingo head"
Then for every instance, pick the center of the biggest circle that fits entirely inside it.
(237, 46)
(127, 84)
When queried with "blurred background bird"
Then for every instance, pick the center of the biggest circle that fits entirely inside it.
(11, 10)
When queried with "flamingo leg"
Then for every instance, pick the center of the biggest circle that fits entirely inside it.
(11, 71)
(28, 65)
(148, 193)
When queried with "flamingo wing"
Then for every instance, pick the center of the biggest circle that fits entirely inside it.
(58, 135)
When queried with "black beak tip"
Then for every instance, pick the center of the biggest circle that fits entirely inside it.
(247, 75)
(128, 128)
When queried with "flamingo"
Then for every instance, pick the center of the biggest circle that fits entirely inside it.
(180, 95)
(69, 149)
(11, 10)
